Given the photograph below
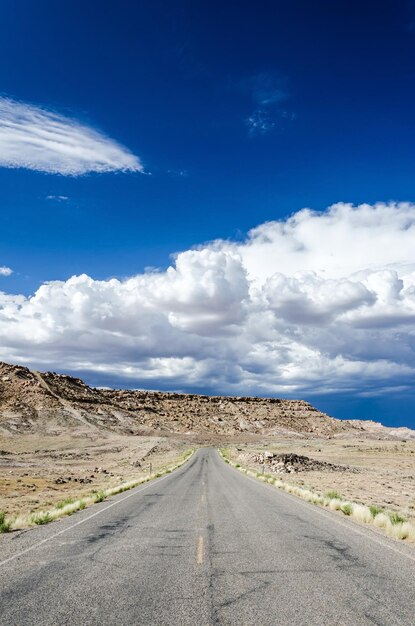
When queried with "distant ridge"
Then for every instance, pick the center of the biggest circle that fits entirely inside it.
(49, 403)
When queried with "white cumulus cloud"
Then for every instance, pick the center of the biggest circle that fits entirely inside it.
(35, 138)
(5, 271)
(316, 303)
(335, 243)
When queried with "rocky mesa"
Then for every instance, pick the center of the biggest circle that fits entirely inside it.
(48, 403)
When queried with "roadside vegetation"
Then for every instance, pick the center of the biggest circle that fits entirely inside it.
(392, 523)
(71, 505)
(4, 524)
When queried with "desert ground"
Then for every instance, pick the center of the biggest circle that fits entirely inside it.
(37, 472)
(367, 471)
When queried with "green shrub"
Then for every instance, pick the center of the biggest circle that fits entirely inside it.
(4, 524)
(63, 503)
(375, 510)
(41, 518)
(333, 495)
(99, 496)
(347, 509)
(396, 518)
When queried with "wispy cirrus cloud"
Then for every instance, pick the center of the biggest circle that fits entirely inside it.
(269, 93)
(260, 123)
(57, 198)
(269, 89)
(36, 138)
(178, 173)
(5, 271)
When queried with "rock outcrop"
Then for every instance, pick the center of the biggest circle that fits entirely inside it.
(290, 463)
(51, 403)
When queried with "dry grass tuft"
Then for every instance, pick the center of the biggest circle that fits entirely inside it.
(69, 506)
(393, 524)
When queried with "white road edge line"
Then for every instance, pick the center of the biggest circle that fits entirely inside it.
(382, 541)
(82, 521)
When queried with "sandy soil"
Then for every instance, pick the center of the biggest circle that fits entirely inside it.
(31, 465)
(381, 472)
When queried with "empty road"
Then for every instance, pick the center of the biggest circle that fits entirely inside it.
(205, 545)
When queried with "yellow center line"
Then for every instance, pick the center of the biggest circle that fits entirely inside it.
(200, 551)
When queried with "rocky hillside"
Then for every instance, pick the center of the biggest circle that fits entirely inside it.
(49, 403)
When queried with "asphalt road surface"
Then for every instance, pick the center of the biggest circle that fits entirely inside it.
(205, 545)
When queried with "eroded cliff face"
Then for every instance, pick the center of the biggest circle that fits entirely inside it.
(33, 402)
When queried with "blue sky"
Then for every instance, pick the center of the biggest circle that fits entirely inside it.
(191, 122)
